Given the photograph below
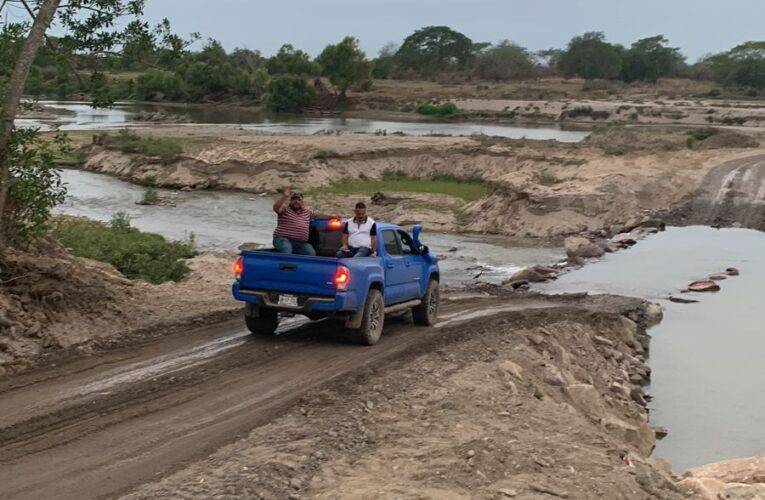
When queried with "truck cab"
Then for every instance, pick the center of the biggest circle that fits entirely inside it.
(359, 291)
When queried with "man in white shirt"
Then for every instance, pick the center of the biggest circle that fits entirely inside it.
(359, 235)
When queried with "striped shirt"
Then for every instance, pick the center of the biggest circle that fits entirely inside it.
(293, 224)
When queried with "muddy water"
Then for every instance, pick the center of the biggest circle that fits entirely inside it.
(83, 117)
(708, 358)
(222, 220)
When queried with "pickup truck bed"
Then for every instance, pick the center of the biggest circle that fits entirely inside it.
(402, 275)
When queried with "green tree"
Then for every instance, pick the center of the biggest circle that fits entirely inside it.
(89, 27)
(504, 61)
(590, 56)
(385, 64)
(288, 94)
(435, 49)
(345, 64)
(650, 59)
(742, 66)
(291, 61)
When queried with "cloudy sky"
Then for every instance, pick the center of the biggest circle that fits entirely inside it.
(698, 27)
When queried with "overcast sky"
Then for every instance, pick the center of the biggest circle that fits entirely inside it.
(698, 27)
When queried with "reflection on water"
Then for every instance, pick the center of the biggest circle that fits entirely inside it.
(222, 220)
(86, 118)
(707, 359)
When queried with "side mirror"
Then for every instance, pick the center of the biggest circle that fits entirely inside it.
(424, 250)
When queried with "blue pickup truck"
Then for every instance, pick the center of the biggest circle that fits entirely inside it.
(359, 291)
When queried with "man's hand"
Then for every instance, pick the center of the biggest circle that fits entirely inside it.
(286, 191)
(344, 248)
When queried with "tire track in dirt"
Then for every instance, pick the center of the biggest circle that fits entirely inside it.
(98, 432)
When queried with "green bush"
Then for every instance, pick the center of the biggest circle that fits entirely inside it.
(703, 133)
(35, 184)
(443, 109)
(159, 84)
(135, 254)
(288, 94)
(150, 197)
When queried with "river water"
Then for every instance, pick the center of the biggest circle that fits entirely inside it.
(707, 358)
(81, 116)
(221, 220)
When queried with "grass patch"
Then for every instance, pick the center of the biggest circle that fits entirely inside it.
(135, 254)
(166, 149)
(470, 189)
(443, 109)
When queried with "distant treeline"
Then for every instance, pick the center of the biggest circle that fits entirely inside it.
(156, 64)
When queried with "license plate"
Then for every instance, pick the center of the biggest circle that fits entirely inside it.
(288, 300)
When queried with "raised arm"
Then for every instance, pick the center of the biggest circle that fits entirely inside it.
(373, 239)
(282, 201)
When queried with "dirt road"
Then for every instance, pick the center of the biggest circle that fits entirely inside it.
(99, 427)
(733, 192)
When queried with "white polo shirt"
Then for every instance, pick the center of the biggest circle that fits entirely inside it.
(360, 233)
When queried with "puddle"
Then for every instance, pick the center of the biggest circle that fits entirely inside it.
(83, 117)
(707, 358)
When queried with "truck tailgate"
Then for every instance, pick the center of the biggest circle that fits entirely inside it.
(288, 273)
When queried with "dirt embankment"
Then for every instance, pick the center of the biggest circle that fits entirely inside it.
(535, 188)
(731, 194)
(539, 402)
(53, 304)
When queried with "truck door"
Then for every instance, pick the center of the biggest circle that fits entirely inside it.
(395, 268)
(412, 268)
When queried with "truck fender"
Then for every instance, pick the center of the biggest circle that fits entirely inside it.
(354, 320)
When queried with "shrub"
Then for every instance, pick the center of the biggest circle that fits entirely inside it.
(35, 185)
(288, 94)
(443, 109)
(135, 254)
(150, 197)
(584, 111)
(703, 133)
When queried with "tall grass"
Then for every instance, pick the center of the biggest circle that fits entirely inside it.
(135, 254)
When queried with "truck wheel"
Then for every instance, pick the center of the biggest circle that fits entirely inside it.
(372, 320)
(264, 323)
(426, 313)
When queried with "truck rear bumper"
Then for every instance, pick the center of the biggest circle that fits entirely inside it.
(341, 301)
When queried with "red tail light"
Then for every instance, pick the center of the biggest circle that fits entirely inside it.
(342, 278)
(238, 268)
(334, 224)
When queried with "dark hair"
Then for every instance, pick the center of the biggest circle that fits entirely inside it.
(296, 196)
(361, 204)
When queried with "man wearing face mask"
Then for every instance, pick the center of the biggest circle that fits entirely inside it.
(293, 219)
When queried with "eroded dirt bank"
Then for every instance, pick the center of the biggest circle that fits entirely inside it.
(53, 304)
(535, 188)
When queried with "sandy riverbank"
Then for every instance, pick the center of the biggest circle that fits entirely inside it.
(540, 189)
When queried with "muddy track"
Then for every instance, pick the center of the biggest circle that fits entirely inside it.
(732, 193)
(98, 427)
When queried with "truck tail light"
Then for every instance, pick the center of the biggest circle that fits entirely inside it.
(334, 224)
(238, 268)
(342, 278)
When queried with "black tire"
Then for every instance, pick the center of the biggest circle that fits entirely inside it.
(372, 320)
(426, 313)
(264, 322)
